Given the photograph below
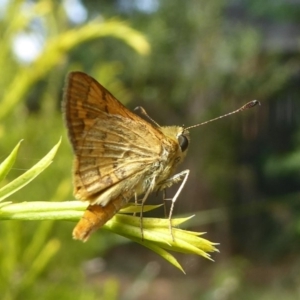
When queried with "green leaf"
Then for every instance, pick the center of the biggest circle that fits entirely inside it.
(28, 176)
(7, 164)
(130, 209)
(160, 251)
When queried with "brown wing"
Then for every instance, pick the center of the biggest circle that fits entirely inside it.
(111, 144)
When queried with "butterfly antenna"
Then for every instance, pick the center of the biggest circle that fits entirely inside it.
(244, 107)
(143, 112)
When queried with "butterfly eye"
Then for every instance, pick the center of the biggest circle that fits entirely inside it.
(183, 142)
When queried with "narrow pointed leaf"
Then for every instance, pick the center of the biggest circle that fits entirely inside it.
(28, 176)
(160, 251)
(7, 164)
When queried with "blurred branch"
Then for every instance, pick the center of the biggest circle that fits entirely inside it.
(59, 46)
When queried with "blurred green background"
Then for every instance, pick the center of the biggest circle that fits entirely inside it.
(184, 62)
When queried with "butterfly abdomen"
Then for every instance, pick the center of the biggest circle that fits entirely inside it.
(95, 217)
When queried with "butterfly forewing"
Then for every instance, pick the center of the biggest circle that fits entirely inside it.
(113, 147)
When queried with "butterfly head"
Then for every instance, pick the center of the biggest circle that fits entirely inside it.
(181, 138)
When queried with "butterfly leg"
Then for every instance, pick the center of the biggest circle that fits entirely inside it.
(174, 179)
(165, 201)
(136, 203)
(146, 195)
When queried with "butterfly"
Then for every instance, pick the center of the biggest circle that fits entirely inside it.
(118, 155)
